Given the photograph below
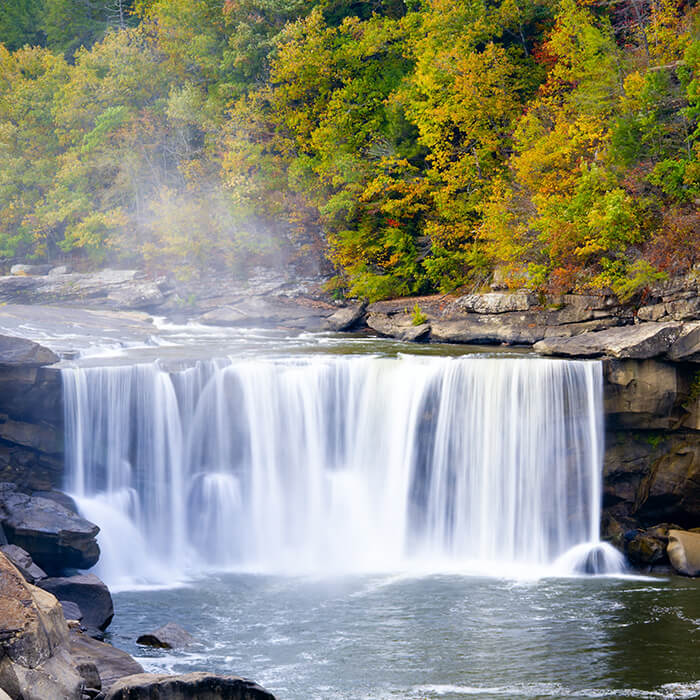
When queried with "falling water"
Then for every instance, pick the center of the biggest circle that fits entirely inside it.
(340, 464)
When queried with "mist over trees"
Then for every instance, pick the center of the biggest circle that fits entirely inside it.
(409, 146)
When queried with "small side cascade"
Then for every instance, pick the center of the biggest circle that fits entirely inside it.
(339, 464)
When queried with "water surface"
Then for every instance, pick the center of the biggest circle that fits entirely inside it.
(439, 636)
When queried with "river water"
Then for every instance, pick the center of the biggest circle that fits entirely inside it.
(432, 636)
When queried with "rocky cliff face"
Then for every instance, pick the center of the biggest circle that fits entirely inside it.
(31, 416)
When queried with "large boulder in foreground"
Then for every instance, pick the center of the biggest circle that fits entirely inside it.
(35, 662)
(684, 552)
(642, 341)
(88, 593)
(190, 686)
(55, 537)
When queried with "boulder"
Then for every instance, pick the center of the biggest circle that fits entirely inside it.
(398, 326)
(59, 497)
(345, 318)
(508, 328)
(59, 270)
(71, 611)
(190, 686)
(23, 563)
(687, 347)
(496, 302)
(641, 341)
(684, 552)
(55, 537)
(24, 270)
(136, 295)
(678, 310)
(169, 636)
(275, 311)
(111, 663)
(645, 548)
(35, 663)
(20, 352)
(88, 593)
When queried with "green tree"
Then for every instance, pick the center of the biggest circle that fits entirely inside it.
(20, 23)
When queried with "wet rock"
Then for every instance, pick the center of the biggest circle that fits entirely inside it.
(190, 686)
(23, 563)
(169, 636)
(88, 593)
(55, 537)
(345, 318)
(20, 352)
(35, 663)
(642, 341)
(684, 552)
(644, 549)
(111, 663)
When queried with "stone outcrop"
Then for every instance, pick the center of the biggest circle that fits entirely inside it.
(87, 592)
(123, 289)
(684, 552)
(23, 563)
(641, 342)
(19, 352)
(110, 663)
(35, 660)
(55, 537)
(31, 416)
(345, 318)
(190, 686)
(651, 478)
(278, 312)
(398, 326)
(511, 318)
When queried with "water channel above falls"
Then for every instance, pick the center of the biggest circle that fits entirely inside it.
(342, 517)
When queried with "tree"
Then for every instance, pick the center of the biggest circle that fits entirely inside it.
(20, 23)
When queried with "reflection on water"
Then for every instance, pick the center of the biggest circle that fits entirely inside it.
(431, 637)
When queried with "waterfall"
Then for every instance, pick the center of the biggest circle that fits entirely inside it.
(336, 463)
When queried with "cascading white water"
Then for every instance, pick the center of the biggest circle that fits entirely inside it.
(330, 463)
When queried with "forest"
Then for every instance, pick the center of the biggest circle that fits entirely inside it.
(401, 146)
